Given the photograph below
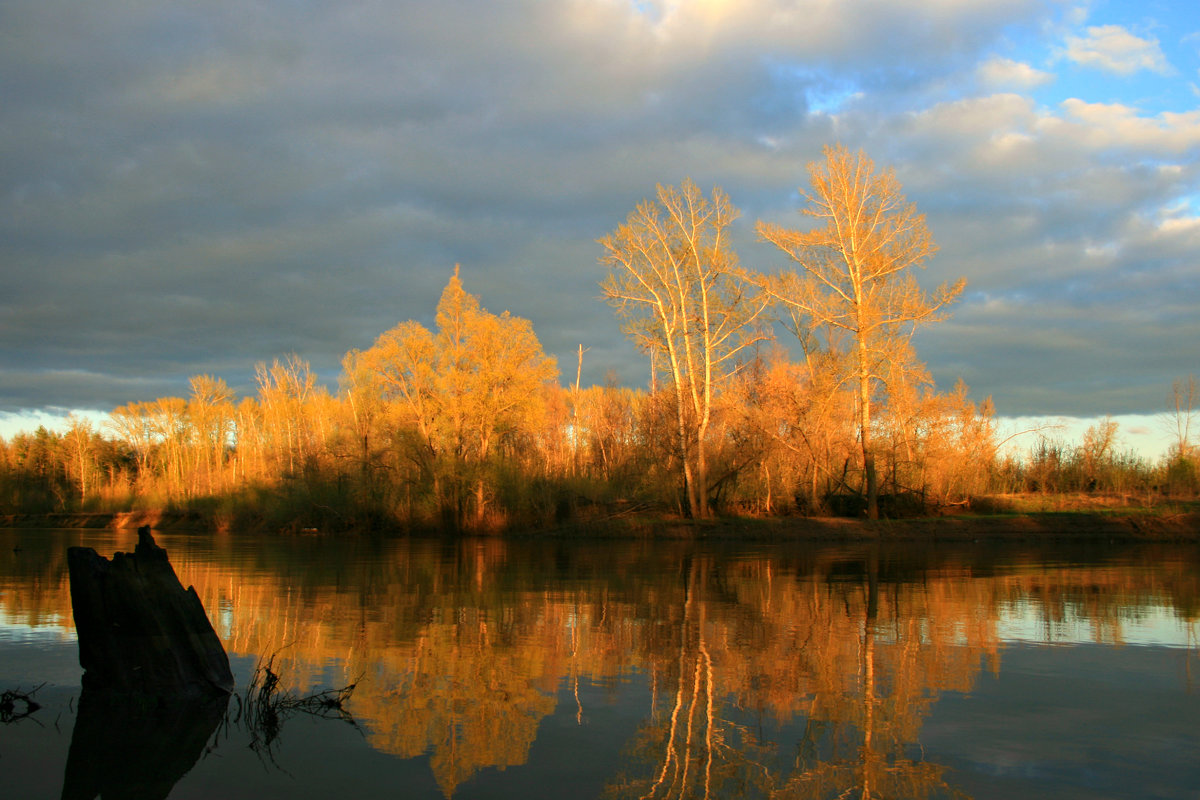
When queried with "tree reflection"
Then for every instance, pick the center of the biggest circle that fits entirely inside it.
(789, 672)
(818, 652)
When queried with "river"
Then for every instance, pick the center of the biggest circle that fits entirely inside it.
(488, 668)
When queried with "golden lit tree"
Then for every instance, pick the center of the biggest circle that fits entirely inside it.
(172, 433)
(211, 411)
(80, 444)
(675, 284)
(287, 390)
(133, 423)
(461, 390)
(856, 274)
(1184, 402)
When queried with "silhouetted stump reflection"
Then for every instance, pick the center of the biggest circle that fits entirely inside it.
(136, 748)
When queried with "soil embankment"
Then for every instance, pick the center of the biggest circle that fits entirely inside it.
(1158, 526)
(125, 520)
(1161, 525)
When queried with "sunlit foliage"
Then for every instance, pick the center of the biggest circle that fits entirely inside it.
(855, 281)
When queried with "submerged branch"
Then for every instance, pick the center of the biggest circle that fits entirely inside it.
(16, 705)
(264, 708)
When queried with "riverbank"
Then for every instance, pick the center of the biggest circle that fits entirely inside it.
(1180, 526)
(1167, 522)
(124, 520)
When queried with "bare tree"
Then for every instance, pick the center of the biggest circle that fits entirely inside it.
(1184, 403)
(133, 423)
(211, 411)
(855, 274)
(675, 284)
(285, 390)
(79, 441)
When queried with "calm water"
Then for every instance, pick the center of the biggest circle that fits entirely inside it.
(492, 669)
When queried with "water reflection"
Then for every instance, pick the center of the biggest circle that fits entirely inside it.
(775, 672)
(123, 747)
(859, 665)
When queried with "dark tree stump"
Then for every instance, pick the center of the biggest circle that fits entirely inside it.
(139, 629)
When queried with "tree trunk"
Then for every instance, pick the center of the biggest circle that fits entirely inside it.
(702, 508)
(864, 424)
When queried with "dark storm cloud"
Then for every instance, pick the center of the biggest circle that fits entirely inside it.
(192, 188)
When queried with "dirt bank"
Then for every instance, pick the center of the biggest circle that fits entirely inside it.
(126, 520)
(1152, 525)
(1161, 525)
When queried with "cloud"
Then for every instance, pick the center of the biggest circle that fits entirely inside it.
(1074, 232)
(193, 189)
(1113, 125)
(1112, 48)
(999, 72)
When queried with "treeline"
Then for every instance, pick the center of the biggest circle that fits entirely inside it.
(467, 427)
(482, 457)
(459, 459)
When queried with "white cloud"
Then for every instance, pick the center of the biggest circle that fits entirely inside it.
(52, 419)
(1108, 125)
(1112, 48)
(1000, 72)
(1009, 134)
(1070, 226)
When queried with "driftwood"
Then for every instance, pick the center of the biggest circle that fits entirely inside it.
(139, 630)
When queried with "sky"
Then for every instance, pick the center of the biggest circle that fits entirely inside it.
(195, 187)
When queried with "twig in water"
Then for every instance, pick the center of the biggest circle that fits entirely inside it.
(265, 708)
(16, 705)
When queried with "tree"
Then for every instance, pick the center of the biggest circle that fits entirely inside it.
(133, 423)
(460, 391)
(675, 284)
(80, 444)
(211, 411)
(855, 275)
(173, 434)
(1184, 404)
(285, 390)
(1182, 457)
(1097, 453)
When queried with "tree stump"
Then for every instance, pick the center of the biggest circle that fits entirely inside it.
(139, 630)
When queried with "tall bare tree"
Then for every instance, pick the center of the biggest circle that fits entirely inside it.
(285, 390)
(80, 444)
(1184, 407)
(133, 423)
(675, 284)
(211, 411)
(856, 276)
